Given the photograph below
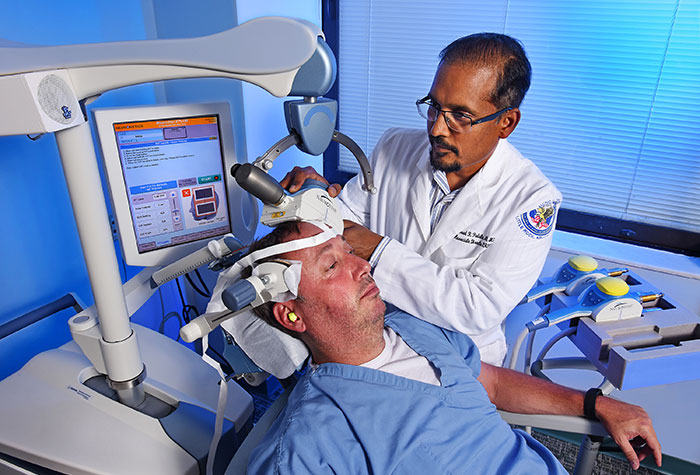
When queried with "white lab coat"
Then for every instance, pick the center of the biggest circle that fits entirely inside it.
(486, 251)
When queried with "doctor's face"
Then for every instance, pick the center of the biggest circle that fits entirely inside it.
(339, 299)
(465, 88)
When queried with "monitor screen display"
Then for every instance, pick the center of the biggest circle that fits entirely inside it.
(173, 171)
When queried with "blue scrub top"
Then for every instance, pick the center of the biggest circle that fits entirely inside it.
(346, 419)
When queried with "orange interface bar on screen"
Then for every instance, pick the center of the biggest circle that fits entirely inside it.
(158, 124)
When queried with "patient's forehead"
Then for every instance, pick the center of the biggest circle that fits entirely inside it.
(310, 255)
(307, 229)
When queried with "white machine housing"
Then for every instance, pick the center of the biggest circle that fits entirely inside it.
(311, 204)
(51, 419)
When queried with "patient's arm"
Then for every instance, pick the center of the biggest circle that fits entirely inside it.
(516, 392)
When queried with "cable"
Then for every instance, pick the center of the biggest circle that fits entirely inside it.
(179, 290)
(548, 346)
(194, 286)
(162, 303)
(537, 324)
(516, 348)
(167, 317)
(201, 280)
(528, 352)
(186, 309)
(521, 337)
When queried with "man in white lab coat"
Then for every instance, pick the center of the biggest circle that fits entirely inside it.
(462, 223)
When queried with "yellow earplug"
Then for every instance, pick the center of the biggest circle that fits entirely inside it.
(292, 317)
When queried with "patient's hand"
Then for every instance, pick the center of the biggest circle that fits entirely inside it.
(630, 426)
(293, 180)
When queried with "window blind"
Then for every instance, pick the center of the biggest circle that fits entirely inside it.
(611, 116)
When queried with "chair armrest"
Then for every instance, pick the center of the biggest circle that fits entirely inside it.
(575, 424)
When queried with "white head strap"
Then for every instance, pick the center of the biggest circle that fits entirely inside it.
(282, 248)
(292, 275)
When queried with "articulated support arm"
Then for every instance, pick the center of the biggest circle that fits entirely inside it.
(44, 88)
(41, 86)
(266, 160)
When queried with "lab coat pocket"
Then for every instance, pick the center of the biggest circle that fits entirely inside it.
(458, 253)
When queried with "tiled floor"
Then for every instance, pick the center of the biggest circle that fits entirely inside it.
(605, 464)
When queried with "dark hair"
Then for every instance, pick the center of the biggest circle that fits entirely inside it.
(498, 51)
(276, 236)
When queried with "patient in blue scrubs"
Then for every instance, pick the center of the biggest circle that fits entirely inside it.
(399, 395)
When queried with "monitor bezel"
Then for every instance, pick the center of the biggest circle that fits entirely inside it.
(242, 207)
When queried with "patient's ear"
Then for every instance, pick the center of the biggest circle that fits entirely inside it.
(286, 316)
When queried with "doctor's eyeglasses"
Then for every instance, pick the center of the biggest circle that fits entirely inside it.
(456, 121)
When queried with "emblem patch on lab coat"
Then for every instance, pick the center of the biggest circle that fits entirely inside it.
(538, 222)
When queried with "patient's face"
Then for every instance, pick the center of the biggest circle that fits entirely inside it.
(340, 299)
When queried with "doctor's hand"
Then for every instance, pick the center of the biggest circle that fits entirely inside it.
(293, 180)
(362, 240)
(631, 428)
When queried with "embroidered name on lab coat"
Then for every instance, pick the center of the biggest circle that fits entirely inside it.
(471, 237)
(538, 222)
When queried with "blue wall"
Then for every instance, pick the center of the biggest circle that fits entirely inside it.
(39, 246)
(263, 112)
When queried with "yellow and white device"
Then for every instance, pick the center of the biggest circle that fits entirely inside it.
(572, 277)
(626, 329)
(606, 300)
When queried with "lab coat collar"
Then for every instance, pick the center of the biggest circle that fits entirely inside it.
(476, 193)
(421, 184)
(487, 178)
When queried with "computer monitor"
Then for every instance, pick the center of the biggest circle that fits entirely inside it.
(167, 168)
